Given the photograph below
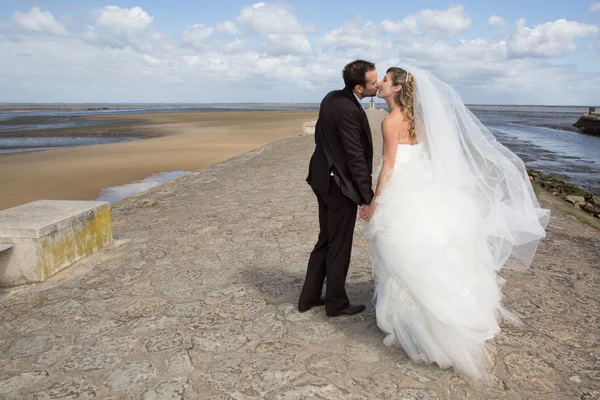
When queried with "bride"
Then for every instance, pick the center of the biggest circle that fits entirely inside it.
(452, 207)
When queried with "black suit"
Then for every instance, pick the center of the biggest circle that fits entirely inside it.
(343, 146)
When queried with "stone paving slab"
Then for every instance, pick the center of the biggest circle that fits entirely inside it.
(196, 300)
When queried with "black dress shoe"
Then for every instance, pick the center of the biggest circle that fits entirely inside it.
(350, 310)
(306, 307)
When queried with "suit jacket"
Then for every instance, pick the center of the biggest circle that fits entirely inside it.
(343, 145)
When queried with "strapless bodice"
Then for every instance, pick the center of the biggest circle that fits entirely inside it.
(406, 151)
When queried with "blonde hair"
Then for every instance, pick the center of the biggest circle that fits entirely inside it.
(404, 98)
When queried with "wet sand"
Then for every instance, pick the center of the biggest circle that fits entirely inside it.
(175, 141)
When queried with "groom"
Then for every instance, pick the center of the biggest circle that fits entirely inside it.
(340, 175)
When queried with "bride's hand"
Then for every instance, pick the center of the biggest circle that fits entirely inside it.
(371, 209)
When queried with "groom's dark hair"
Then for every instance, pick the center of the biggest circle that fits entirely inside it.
(354, 73)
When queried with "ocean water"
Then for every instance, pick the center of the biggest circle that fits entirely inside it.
(543, 136)
(545, 139)
(116, 193)
(10, 145)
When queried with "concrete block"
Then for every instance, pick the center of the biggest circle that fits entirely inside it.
(5, 246)
(48, 236)
(309, 128)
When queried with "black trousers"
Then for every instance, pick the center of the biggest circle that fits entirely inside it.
(330, 257)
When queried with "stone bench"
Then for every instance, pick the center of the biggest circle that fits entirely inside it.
(46, 236)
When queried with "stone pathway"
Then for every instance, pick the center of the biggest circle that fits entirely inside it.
(196, 300)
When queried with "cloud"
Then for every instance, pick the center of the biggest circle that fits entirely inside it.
(151, 60)
(197, 35)
(39, 21)
(437, 23)
(120, 28)
(236, 46)
(475, 60)
(448, 22)
(263, 18)
(123, 19)
(547, 40)
(595, 8)
(288, 43)
(119, 54)
(495, 20)
(353, 34)
(226, 27)
(407, 25)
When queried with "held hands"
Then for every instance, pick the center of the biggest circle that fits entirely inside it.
(367, 211)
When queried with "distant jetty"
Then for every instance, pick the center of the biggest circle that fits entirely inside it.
(589, 123)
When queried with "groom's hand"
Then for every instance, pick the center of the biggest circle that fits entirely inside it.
(363, 212)
(367, 211)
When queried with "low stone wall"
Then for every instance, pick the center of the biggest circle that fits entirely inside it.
(580, 198)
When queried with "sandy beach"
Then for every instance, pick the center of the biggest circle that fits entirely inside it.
(174, 141)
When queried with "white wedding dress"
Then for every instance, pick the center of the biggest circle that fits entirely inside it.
(437, 293)
(456, 209)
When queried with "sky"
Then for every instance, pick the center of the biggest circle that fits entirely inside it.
(510, 52)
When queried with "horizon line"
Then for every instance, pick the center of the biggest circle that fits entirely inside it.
(280, 103)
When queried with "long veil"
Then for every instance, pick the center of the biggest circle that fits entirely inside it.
(464, 153)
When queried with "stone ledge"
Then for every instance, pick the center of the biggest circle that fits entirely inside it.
(48, 236)
(39, 218)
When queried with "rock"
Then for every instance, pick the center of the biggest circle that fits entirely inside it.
(68, 390)
(130, 376)
(219, 341)
(590, 395)
(327, 365)
(170, 390)
(575, 199)
(180, 363)
(20, 381)
(418, 394)
(532, 373)
(382, 386)
(590, 208)
(164, 341)
(318, 391)
(106, 353)
(31, 345)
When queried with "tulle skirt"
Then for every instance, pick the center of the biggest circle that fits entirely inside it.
(437, 292)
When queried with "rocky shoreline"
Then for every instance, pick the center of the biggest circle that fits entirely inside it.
(579, 198)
